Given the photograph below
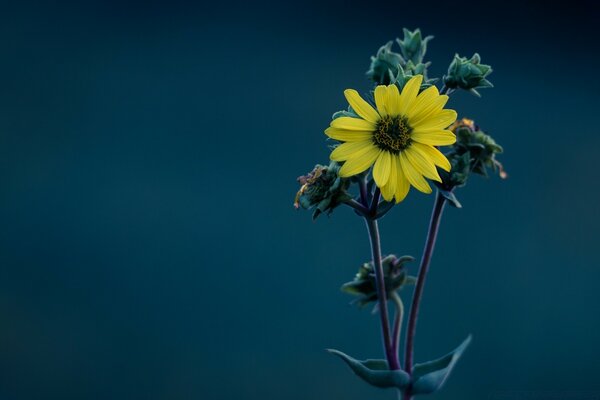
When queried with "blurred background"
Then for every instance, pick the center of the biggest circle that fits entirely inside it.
(148, 244)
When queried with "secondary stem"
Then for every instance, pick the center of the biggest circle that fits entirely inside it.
(375, 202)
(434, 224)
(364, 198)
(397, 321)
(391, 355)
(357, 206)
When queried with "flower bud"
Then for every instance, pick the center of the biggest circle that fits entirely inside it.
(473, 152)
(410, 70)
(468, 74)
(363, 284)
(385, 65)
(389, 67)
(322, 190)
(413, 47)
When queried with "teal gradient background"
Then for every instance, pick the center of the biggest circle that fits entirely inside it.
(148, 244)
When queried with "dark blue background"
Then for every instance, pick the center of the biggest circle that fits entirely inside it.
(148, 244)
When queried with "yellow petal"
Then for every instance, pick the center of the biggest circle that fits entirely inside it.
(434, 138)
(360, 106)
(434, 154)
(402, 184)
(352, 124)
(413, 176)
(381, 170)
(351, 149)
(393, 99)
(424, 98)
(422, 164)
(359, 163)
(381, 96)
(344, 135)
(389, 189)
(409, 93)
(440, 120)
(428, 110)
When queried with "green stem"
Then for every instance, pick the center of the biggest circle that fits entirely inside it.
(391, 356)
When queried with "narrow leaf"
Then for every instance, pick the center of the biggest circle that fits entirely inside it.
(451, 197)
(375, 372)
(430, 376)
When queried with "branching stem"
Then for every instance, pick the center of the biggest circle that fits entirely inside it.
(357, 206)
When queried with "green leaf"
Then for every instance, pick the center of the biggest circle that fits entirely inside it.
(375, 372)
(451, 197)
(430, 376)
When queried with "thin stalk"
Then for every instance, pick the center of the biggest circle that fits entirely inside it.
(364, 198)
(397, 321)
(391, 356)
(357, 206)
(375, 202)
(434, 225)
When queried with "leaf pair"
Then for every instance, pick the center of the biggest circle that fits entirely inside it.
(426, 378)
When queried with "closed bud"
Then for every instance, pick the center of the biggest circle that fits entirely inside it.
(405, 74)
(364, 286)
(384, 65)
(413, 46)
(468, 74)
(473, 153)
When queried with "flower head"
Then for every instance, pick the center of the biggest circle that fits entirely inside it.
(397, 138)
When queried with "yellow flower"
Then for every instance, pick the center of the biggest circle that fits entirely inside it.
(398, 138)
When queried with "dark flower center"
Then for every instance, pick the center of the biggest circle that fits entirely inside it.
(392, 133)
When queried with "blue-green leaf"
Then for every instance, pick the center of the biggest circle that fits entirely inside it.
(430, 376)
(375, 372)
(451, 197)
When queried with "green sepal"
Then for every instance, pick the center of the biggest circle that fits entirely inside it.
(405, 74)
(345, 113)
(375, 372)
(451, 197)
(429, 377)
